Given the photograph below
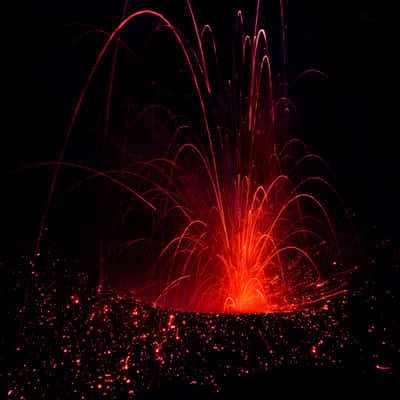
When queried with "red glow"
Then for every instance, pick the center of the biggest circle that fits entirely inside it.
(382, 367)
(246, 231)
(249, 228)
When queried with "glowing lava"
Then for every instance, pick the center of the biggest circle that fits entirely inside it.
(256, 237)
(239, 226)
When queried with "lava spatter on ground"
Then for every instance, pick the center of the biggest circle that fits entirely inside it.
(78, 342)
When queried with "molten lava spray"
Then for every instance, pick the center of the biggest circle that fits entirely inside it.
(237, 224)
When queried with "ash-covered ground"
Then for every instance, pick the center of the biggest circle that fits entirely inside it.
(74, 341)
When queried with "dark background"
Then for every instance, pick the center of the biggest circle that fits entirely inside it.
(349, 119)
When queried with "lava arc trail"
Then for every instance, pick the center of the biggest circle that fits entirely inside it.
(239, 226)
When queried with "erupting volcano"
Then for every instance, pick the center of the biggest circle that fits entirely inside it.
(237, 223)
(187, 239)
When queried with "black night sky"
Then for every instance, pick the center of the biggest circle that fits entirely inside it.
(348, 120)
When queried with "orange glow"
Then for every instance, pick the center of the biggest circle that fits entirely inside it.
(240, 227)
(249, 233)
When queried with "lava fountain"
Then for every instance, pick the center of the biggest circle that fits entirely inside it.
(236, 223)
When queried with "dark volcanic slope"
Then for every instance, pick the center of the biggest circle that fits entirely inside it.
(76, 342)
